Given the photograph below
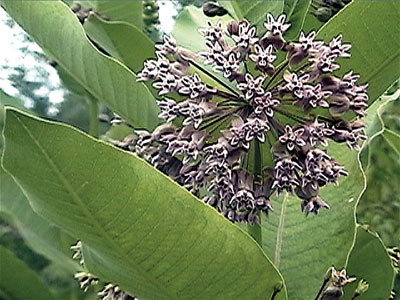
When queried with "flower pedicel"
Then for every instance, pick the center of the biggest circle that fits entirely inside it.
(261, 108)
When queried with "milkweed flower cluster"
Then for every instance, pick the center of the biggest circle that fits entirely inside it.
(255, 130)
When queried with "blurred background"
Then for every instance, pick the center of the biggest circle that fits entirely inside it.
(31, 81)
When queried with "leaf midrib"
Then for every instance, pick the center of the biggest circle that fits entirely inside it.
(80, 202)
(279, 232)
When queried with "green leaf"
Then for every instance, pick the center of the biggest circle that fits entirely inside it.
(121, 40)
(186, 28)
(372, 29)
(141, 230)
(39, 234)
(186, 33)
(54, 27)
(369, 260)
(303, 248)
(256, 11)
(127, 11)
(18, 281)
(296, 12)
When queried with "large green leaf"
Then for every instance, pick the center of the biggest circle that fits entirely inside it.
(256, 11)
(18, 281)
(116, 10)
(57, 30)
(39, 234)
(141, 230)
(369, 260)
(372, 29)
(121, 40)
(303, 248)
(296, 12)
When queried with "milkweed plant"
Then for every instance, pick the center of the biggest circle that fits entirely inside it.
(257, 128)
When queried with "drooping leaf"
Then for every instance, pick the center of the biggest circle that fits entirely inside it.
(372, 29)
(126, 11)
(369, 260)
(54, 27)
(18, 281)
(296, 12)
(141, 230)
(303, 248)
(121, 40)
(43, 237)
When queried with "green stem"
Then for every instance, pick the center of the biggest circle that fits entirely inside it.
(277, 72)
(255, 229)
(94, 117)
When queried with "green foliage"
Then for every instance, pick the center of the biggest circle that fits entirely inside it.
(296, 12)
(149, 235)
(40, 235)
(18, 281)
(126, 11)
(372, 29)
(304, 247)
(119, 39)
(368, 260)
(92, 70)
(144, 231)
(254, 11)
(380, 204)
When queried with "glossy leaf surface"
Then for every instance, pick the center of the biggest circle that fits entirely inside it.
(372, 29)
(121, 40)
(141, 230)
(54, 27)
(303, 248)
(369, 260)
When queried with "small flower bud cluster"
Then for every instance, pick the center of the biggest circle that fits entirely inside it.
(113, 292)
(210, 140)
(86, 280)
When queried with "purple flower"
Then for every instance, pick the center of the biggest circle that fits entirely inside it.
(252, 87)
(278, 26)
(246, 35)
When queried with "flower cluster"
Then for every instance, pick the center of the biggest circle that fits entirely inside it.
(256, 131)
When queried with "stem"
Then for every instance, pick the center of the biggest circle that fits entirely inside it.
(94, 117)
(214, 78)
(292, 116)
(255, 229)
(281, 68)
(321, 289)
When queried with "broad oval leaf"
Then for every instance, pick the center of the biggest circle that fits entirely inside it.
(55, 28)
(141, 230)
(39, 234)
(369, 260)
(372, 29)
(296, 12)
(18, 281)
(255, 11)
(121, 40)
(303, 248)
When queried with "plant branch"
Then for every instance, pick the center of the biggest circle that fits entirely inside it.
(281, 68)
